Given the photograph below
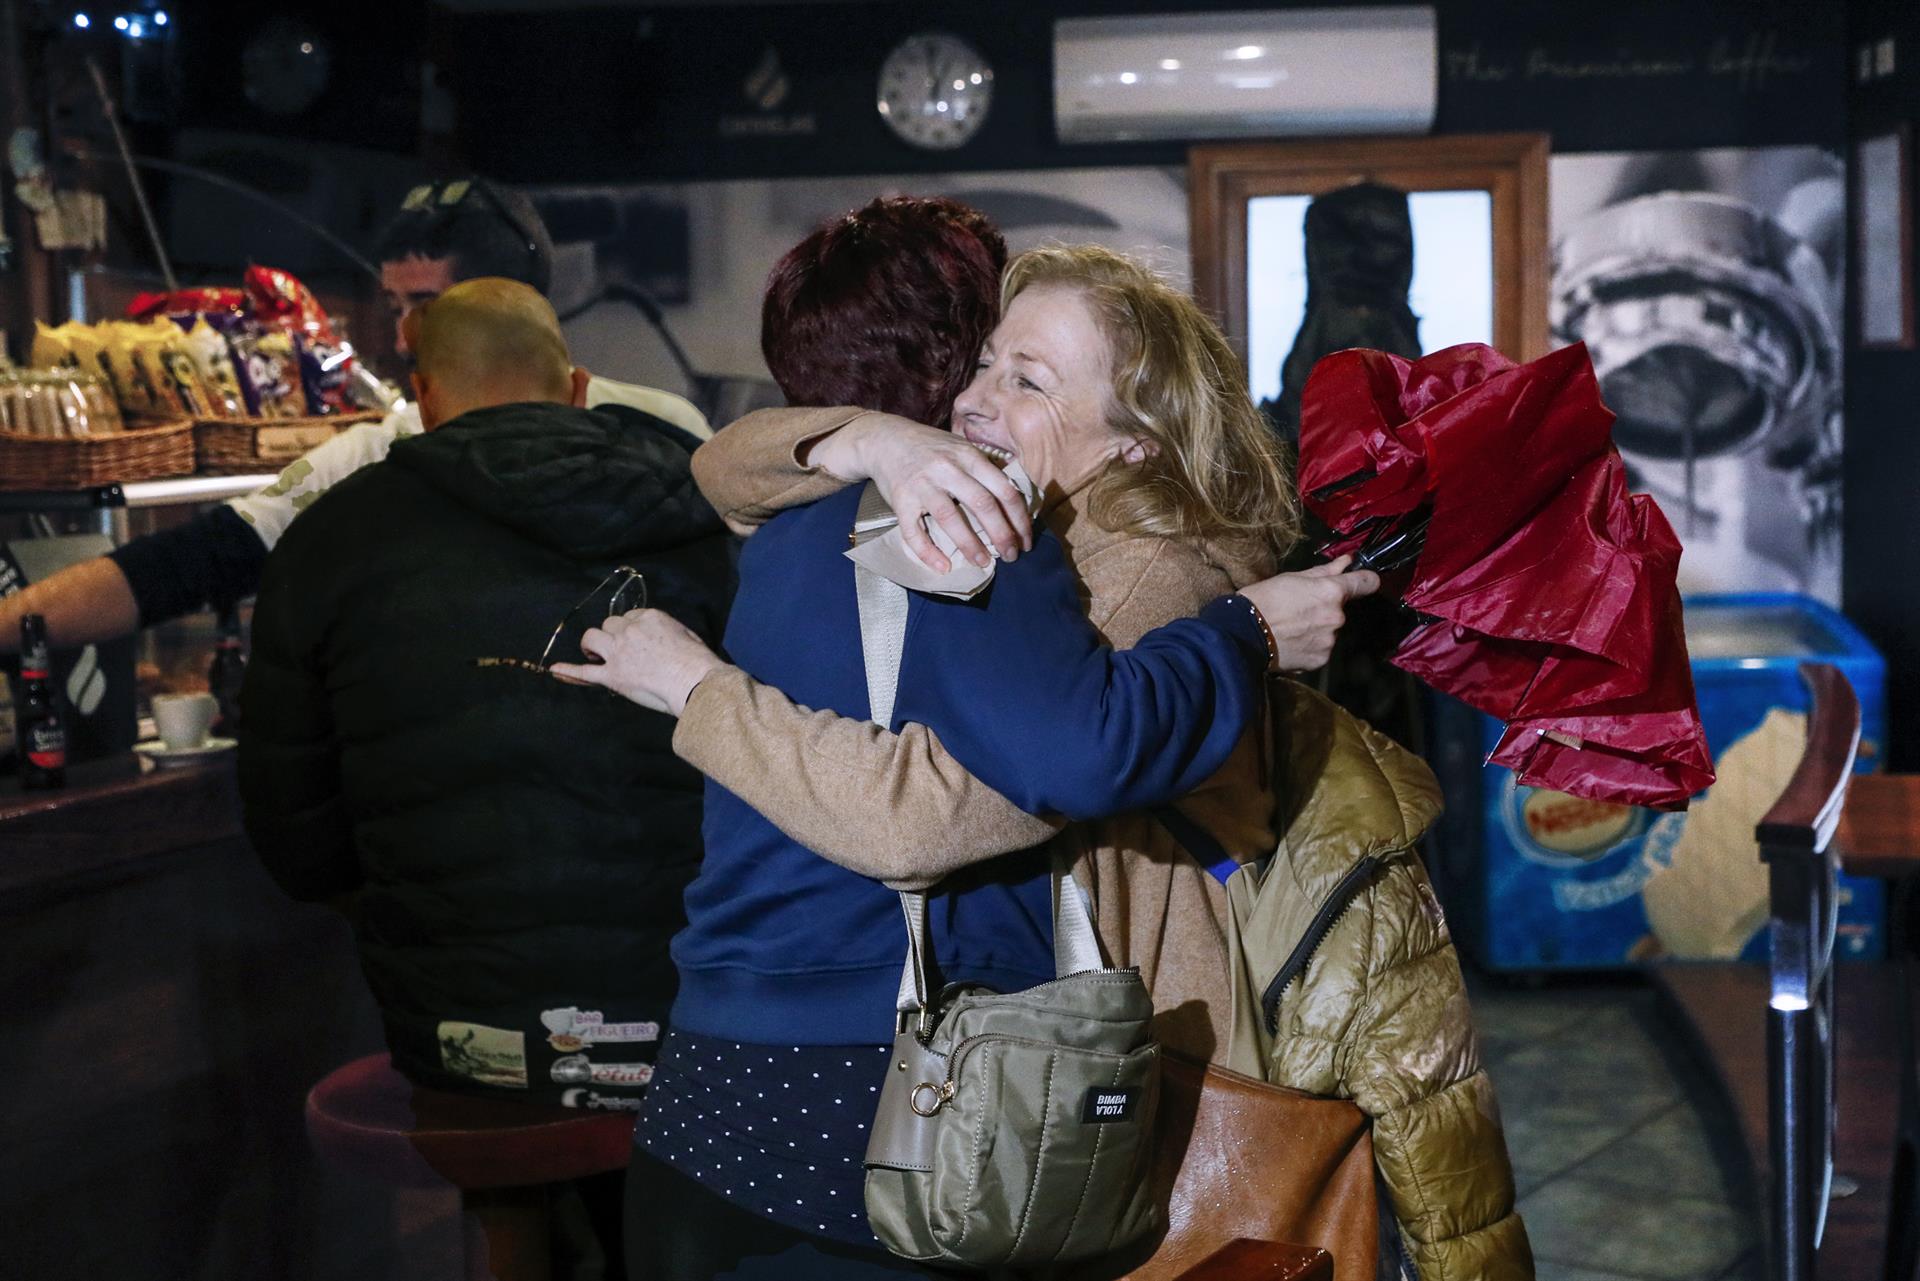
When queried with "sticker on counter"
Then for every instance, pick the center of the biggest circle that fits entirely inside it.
(489, 1055)
(575, 1069)
(571, 1028)
(594, 1099)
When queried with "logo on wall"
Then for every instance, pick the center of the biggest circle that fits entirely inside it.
(766, 89)
(767, 85)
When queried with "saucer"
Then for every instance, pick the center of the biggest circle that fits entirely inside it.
(165, 757)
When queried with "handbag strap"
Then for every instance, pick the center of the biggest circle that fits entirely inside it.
(882, 607)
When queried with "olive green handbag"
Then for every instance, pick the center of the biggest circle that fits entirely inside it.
(1014, 1130)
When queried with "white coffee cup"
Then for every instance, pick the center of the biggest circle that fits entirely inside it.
(184, 719)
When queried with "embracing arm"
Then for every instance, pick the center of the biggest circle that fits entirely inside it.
(1026, 694)
(751, 470)
(896, 807)
(775, 459)
(899, 807)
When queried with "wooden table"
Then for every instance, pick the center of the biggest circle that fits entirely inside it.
(1879, 836)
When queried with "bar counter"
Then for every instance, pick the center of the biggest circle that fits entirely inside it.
(166, 1010)
(110, 818)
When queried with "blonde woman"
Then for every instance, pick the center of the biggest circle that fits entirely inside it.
(1163, 491)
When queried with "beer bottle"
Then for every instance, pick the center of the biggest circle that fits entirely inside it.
(227, 673)
(41, 736)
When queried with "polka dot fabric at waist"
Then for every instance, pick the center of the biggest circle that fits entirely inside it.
(777, 1130)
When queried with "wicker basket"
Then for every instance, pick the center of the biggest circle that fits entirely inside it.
(238, 446)
(142, 452)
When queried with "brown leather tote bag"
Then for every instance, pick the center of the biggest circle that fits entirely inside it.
(1241, 1158)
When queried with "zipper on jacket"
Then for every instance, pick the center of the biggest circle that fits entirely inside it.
(1317, 930)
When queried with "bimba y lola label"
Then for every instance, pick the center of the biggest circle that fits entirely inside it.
(1108, 1103)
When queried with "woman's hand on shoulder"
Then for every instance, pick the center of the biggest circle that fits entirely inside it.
(647, 657)
(928, 474)
(1305, 610)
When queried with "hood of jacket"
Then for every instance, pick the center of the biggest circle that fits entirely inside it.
(591, 483)
(1345, 791)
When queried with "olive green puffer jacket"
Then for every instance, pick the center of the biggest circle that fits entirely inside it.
(1347, 985)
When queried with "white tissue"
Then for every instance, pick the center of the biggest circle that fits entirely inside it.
(887, 554)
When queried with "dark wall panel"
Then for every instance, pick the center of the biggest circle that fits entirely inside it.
(1882, 461)
(631, 94)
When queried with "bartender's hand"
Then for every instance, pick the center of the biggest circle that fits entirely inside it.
(1306, 610)
(925, 473)
(647, 657)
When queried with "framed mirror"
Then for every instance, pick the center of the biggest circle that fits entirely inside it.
(1405, 244)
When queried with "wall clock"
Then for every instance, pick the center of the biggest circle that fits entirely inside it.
(285, 67)
(934, 90)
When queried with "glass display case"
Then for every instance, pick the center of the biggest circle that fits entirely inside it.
(44, 531)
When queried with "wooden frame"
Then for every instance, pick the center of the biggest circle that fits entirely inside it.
(1868, 267)
(1512, 167)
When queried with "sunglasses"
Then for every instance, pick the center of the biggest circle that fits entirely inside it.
(451, 195)
(628, 592)
(623, 590)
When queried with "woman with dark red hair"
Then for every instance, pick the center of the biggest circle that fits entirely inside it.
(886, 305)
(751, 1137)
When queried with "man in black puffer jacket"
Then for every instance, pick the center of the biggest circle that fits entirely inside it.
(511, 849)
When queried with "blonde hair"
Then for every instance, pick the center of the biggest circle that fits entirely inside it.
(1214, 470)
(492, 337)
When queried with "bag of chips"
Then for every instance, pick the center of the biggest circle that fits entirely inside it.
(168, 354)
(185, 302)
(214, 360)
(133, 344)
(278, 297)
(52, 346)
(268, 367)
(326, 375)
(326, 362)
(108, 350)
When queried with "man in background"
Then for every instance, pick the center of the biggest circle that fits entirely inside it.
(442, 234)
(511, 849)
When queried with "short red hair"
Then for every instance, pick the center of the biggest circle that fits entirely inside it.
(885, 308)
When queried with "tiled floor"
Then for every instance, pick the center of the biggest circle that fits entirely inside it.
(1627, 1165)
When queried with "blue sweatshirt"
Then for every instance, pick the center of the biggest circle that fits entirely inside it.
(784, 948)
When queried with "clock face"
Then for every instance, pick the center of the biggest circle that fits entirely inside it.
(934, 91)
(285, 67)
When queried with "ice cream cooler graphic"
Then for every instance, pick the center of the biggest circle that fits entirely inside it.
(1538, 880)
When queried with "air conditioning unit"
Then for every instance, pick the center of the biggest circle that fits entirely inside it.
(1293, 73)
